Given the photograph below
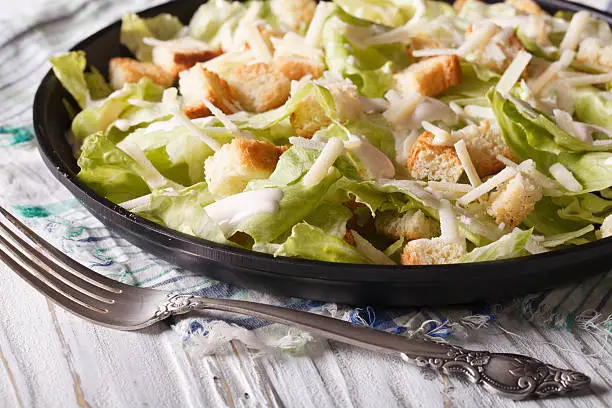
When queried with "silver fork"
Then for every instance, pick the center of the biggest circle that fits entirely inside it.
(109, 303)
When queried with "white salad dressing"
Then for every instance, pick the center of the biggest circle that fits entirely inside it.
(231, 211)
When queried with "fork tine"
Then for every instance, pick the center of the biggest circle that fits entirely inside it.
(43, 273)
(65, 301)
(58, 257)
(59, 271)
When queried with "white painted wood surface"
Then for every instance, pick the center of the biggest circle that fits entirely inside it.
(49, 358)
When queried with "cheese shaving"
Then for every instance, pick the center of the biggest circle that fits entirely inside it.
(292, 44)
(580, 80)
(478, 39)
(131, 205)
(481, 112)
(306, 143)
(171, 103)
(487, 186)
(370, 251)
(441, 136)
(145, 169)
(257, 43)
(315, 29)
(449, 226)
(450, 187)
(466, 162)
(432, 52)
(565, 177)
(514, 72)
(577, 25)
(551, 71)
(332, 150)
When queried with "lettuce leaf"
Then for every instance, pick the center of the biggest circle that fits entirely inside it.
(370, 68)
(184, 211)
(109, 171)
(386, 12)
(135, 29)
(331, 218)
(511, 245)
(69, 68)
(310, 242)
(592, 106)
(102, 114)
(215, 17)
(533, 136)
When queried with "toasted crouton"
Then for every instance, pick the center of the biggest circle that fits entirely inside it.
(182, 54)
(295, 68)
(294, 14)
(410, 225)
(606, 227)
(431, 162)
(128, 70)
(526, 6)
(458, 5)
(229, 170)
(484, 144)
(429, 77)
(309, 116)
(593, 51)
(513, 200)
(258, 87)
(434, 251)
(198, 83)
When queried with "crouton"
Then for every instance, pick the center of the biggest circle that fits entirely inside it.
(421, 42)
(484, 144)
(182, 54)
(258, 87)
(526, 6)
(434, 251)
(429, 77)
(605, 230)
(410, 225)
(348, 238)
(295, 68)
(593, 51)
(431, 162)
(128, 70)
(295, 15)
(309, 116)
(198, 83)
(514, 200)
(229, 170)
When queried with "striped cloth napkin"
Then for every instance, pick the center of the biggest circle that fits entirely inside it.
(35, 30)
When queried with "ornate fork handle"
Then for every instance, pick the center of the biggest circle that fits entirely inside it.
(508, 375)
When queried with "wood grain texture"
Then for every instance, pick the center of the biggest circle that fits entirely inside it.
(49, 358)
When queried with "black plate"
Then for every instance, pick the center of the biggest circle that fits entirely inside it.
(345, 283)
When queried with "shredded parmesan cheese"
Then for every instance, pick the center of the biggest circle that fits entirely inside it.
(481, 112)
(487, 186)
(400, 109)
(146, 170)
(432, 52)
(579, 22)
(551, 71)
(466, 162)
(451, 187)
(565, 177)
(332, 150)
(478, 39)
(257, 43)
(441, 136)
(131, 205)
(580, 80)
(449, 226)
(514, 72)
(315, 29)
(306, 143)
(370, 251)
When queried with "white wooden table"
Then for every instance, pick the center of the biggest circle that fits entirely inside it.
(49, 358)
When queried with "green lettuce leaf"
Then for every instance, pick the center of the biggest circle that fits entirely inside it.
(591, 106)
(391, 13)
(533, 136)
(109, 171)
(579, 237)
(309, 242)
(511, 245)
(215, 17)
(135, 29)
(370, 68)
(331, 218)
(184, 211)
(69, 68)
(101, 115)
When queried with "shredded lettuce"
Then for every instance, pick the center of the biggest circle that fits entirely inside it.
(135, 29)
(511, 245)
